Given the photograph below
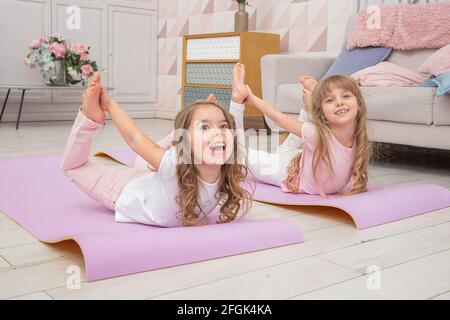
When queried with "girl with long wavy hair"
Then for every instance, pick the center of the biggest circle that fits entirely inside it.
(190, 175)
(334, 151)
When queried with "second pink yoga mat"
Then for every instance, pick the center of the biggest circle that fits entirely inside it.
(381, 204)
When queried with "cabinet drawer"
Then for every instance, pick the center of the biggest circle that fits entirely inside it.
(219, 48)
(219, 74)
(192, 94)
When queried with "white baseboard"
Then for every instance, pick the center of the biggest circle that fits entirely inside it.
(68, 111)
(166, 114)
(62, 112)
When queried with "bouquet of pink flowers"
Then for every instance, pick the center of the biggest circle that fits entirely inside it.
(55, 56)
(79, 66)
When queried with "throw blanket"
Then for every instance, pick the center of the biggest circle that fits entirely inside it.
(388, 74)
(403, 27)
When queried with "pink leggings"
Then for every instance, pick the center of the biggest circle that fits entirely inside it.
(101, 179)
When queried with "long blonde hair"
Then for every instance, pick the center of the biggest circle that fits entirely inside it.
(363, 152)
(232, 196)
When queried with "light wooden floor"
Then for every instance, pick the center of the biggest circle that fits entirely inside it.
(413, 254)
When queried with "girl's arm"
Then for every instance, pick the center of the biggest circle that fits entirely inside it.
(291, 125)
(135, 138)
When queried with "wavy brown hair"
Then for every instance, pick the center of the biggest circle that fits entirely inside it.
(363, 154)
(233, 198)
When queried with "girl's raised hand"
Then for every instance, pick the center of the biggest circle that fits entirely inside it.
(251, 98)
(239, 91)
(307, 101)
(105, 100)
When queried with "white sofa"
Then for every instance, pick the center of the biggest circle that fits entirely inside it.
(412, 116)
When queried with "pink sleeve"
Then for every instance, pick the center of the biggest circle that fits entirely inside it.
(309, 134)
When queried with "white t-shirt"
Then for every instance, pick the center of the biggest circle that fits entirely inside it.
(150, 199)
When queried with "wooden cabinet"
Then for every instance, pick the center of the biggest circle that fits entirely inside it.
(208, 61)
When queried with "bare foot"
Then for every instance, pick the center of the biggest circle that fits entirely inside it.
(212, 98)
(239, 92)
(307, 101)
(308, 83)
(91, 97)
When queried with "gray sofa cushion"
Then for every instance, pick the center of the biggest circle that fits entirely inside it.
(289, 98)
(411, 60)
(400, 104)
(441, 110)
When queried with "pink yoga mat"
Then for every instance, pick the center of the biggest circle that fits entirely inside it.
(36, 194)
(381, 204)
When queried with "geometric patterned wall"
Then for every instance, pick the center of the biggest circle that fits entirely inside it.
(303, 25)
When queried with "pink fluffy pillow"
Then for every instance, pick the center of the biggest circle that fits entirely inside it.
(438, 62)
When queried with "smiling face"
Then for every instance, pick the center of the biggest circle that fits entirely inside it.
(211, 139)
(339, 106)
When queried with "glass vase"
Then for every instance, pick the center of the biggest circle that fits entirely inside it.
(57, 75)
(241, 19)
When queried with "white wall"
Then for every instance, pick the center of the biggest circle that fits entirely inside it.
(122, 36)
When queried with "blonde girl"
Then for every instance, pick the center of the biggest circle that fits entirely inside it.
(334, 148)
(197, 172)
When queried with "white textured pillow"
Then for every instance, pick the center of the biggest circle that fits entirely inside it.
(438, 62)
